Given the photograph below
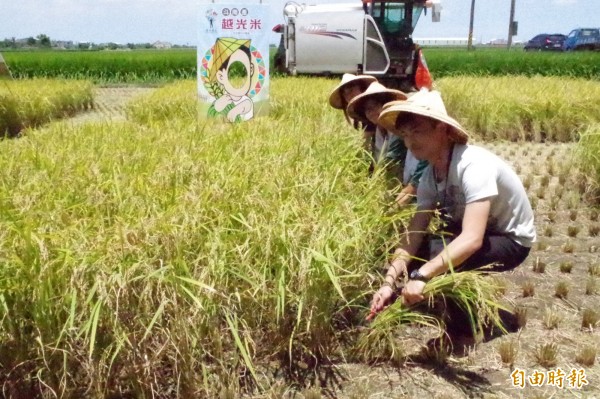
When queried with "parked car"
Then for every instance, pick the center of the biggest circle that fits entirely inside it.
(583, 39)
(546, 41)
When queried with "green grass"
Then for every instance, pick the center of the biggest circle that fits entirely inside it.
(500, 62)
(140, 67)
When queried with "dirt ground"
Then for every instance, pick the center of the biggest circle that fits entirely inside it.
(568, 238)
(109, 104)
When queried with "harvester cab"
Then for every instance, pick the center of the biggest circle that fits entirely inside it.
(373, 38)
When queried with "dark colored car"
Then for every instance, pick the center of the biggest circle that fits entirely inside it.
(545, 41)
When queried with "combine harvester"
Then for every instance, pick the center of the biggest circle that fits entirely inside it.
(374, 39)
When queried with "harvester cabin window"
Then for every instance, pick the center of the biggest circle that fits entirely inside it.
(393, 18)
(375, 57)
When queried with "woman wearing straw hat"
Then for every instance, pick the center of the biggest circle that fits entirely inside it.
(387, 148)
(480, 197)
(350, 87)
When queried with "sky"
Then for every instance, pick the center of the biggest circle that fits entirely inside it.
(176, 21)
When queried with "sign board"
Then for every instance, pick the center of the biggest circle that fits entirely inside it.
(233, 61)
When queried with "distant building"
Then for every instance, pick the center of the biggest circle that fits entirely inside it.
(498, 42)
(162, 45)
(443, 41)
(62, 44)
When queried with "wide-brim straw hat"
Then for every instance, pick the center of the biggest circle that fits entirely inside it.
(335, 98)
(424, 103)
(375, 91)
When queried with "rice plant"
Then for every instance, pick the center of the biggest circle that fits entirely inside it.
(573, 214)
(572, 231)
(527, 182)
(539, 266)
(521, 313)
(474, 293)
(594, 230)
(32, 103)
(508, 350)
(586, 356)
(566, 266)
(170, 251)
(568, 247)
(546, 355)
(594, 269)
(523, 113)
(541, 192)
(561, 290)
(589, 318)
(551, 318)
(528, 288)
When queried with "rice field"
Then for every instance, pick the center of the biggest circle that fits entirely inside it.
(153, 67)
(31, 103)
(167, 256)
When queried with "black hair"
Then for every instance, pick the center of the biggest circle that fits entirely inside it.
(363, 87)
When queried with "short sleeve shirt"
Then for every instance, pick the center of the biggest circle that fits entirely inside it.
(474, 174)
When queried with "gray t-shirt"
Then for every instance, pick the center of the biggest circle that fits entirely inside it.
(475, 174)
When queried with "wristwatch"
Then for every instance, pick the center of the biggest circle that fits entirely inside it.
(416, 275)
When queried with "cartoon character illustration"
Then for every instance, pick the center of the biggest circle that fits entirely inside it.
(210, 16)
(230, 79)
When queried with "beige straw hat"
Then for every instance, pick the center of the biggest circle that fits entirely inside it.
(424, 103)
(335, 98)
(375, 91)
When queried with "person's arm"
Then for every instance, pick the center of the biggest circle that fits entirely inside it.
(406, 195)
(456, 252)
(398, 266)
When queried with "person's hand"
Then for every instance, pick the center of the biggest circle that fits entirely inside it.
(413, 291)
(406, 195)
(381, 298)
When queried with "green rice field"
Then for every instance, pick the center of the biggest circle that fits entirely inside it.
(156, 66)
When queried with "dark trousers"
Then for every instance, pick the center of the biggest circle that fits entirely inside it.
(498, 253)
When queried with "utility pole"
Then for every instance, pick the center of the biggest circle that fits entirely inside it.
(470, 42)
(511, 23)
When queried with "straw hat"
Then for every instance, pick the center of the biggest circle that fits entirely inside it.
(375, 91)
(335, 98)
(224, 47)
(424, 103)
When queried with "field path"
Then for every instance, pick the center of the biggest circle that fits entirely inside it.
(109, 103)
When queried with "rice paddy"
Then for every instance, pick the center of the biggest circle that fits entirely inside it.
(166, 256)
